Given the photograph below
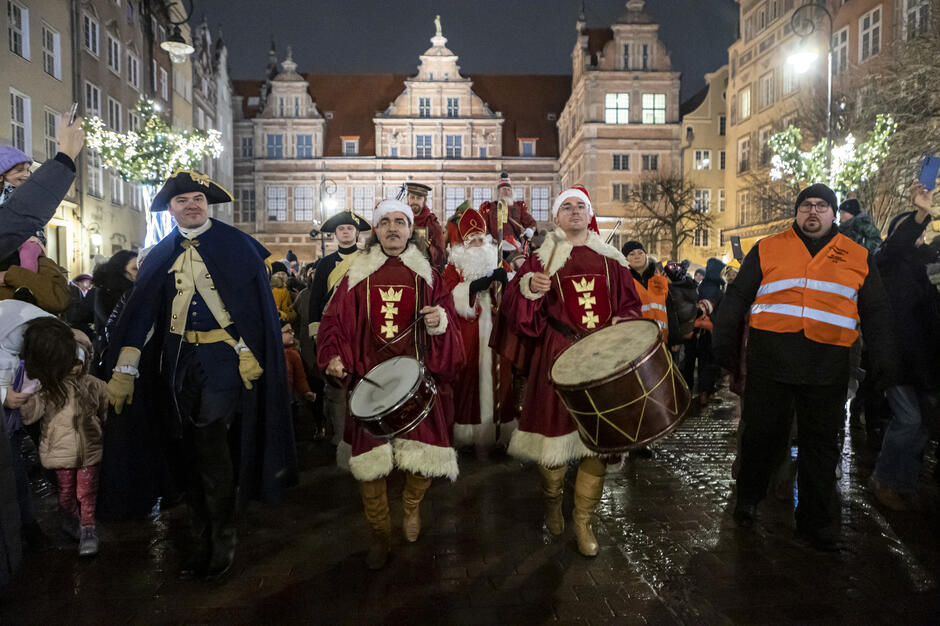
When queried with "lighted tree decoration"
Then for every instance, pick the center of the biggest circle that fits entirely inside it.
(147, 156)
(852, 163)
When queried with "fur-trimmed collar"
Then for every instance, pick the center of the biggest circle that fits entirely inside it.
(369, 261)
(556, 239)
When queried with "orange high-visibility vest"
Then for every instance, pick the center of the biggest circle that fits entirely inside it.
(818, 295)
(654, 297)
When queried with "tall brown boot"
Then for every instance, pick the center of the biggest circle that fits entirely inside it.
(553, 485)
(587, 493)
(375, 506)
(415, 487)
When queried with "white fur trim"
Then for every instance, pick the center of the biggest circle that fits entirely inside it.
(548, 451)
(571, 193)
(422, 458)
(369, 261)
(375, 463)
(525, 286)
(556, 239)
(441, 328)
(392, 206)
(462, 301)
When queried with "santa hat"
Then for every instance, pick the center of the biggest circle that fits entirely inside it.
(504, 180)
(392, 206)
(580, 193)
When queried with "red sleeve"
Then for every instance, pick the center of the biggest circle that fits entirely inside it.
(295, 370)
(335, 338)
(451, 277)
(445, 355)
(525, 218)
(527, 317)
(436, 243)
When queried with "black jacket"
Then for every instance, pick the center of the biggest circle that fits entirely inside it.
(683, 295)
(915, 302)
(791, 357)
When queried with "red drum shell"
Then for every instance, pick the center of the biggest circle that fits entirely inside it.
(404, 416)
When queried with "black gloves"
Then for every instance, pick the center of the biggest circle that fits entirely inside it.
(500, 275)
(482, 284)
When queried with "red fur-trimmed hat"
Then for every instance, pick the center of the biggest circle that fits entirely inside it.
(471, 223)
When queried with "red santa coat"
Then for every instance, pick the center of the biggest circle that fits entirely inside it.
(591, 284)
(356, 325)
(518, 213)
(426, 225)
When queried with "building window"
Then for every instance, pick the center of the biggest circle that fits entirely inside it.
(18, 29)
(454, 146)
(703, 159)
(114, 115)
(722, 125)
(527, 147)
(296, 107)
(654, 108)
(518, 194)
(917, 14)
(703, 200)
(744, 154)
(90, 33)
(744, 103)
(304, 146)
(51, 52)
(303, 204)
(620, 192)
(453, 197)
(164, 85)
(20, 121)
(133, 121)
(743, 209)
(137, 197)
(650, 162)
(114, 55)
(790, 79)
(840, 51)
(481, 195)
(453, 107)
(766, 90)
(394, 152)
(649, 192)
(701, 237)
(95, 175)
(721, 200)
(277, 204)
(626, 56)
(617, 108)
(869, 33)
(133, 71)
(117, 190)
(763, 137)
(424, 107)
(540, 203)
(351, 147)
(721, 159)
(92, 99)
(275, 147)
(482, 152)
(364, 201)
(622, 162)
(423, 146)
(51, 120)
(246, 208)
(247, 147)
(646, 57)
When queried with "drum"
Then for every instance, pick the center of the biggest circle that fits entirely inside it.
(621, 386)
(398, 394)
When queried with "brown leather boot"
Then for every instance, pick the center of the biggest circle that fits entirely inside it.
(415, 487)
(553, 485)
(375, 506)
(587, 493)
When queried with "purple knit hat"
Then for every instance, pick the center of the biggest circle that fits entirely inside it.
(10, 157)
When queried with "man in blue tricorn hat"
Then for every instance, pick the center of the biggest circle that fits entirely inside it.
(203, 290)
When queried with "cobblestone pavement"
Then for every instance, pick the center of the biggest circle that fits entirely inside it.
(670, 553)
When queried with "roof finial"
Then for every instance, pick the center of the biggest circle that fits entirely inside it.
(290, 54)
(437, 25)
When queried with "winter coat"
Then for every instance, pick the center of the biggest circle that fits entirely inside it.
(711, 287)
(684, 296)
(81, 310)
(284, 302)
(862, 231)
(34, 203)
(48, 285)
(14, 316)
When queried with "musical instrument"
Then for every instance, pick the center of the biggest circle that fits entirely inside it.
(621, 387)
(393, 398)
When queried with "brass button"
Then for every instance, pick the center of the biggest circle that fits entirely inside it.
(194, 303)
(174, 316)
(179, 293)
(172, 327)
(207, 276)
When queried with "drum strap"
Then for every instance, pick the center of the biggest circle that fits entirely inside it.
(566, 331)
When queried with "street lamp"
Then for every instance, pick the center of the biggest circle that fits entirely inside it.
(176, 45)
(803, 24)
(327, 206)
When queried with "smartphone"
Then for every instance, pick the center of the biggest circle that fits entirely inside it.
(929, 171)
(72, 112)
(736, 250)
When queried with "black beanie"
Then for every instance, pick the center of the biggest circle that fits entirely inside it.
(278, 266)
(851, 206)
(630, 246)
(817, 190)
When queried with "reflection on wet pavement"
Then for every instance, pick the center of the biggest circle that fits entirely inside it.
(670, 553)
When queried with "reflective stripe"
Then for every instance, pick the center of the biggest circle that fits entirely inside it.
(653, 305)
(809, 283)
(799, 311)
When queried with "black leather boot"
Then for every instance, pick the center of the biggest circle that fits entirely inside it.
(218, 484)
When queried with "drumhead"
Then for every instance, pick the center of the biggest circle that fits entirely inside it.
(605, 352)
(397, 378)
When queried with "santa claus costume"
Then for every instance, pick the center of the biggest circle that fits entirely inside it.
(591, 288)
(475, 280)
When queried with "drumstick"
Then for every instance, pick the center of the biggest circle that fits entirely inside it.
(371, 382)
(409, 327)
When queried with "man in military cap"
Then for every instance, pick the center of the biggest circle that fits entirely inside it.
(427, 229)
(204, 292)
(346, 227)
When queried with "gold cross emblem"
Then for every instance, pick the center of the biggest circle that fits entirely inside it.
(389, 329)
(590, 320)
(584, 285)
(389, 310)
(587, 301)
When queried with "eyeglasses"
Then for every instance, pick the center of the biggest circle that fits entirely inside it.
(288, 330)
(819, 207)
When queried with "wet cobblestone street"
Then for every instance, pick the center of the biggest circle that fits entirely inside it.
(670, 553)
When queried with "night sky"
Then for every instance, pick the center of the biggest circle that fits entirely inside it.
(489, 36)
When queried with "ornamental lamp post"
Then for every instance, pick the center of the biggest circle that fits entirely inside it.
(177, 46)
(803, 24)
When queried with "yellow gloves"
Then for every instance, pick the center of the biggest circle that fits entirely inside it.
(248, 367)
(120, 390)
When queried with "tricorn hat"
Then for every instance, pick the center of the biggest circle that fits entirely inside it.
(345, 217)
(186, 181)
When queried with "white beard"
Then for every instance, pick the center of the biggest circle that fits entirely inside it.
(475, 262)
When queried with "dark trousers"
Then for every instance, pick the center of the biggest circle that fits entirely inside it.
(768, 408)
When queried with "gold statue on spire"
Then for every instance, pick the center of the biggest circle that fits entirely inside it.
(437, 24)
